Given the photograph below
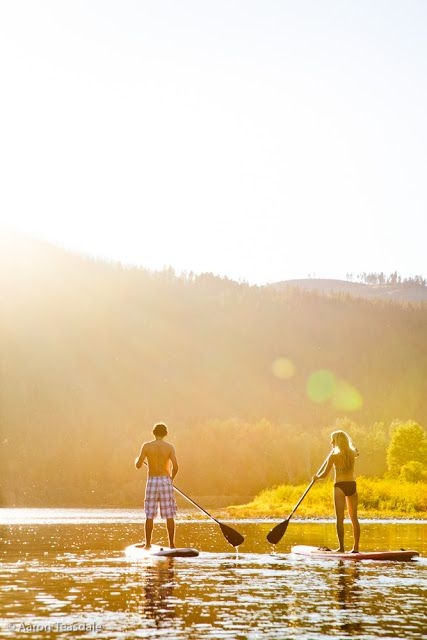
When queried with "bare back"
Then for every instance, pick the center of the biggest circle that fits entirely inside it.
(160, 456)
(342, 473)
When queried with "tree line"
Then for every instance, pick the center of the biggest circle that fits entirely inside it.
(247, 378)
(392, 279)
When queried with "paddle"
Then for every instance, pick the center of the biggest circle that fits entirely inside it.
(231, 535)
(277, 532)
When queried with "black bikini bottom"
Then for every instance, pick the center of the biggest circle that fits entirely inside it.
(348, 488)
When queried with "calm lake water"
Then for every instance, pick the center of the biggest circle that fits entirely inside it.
(63, 574)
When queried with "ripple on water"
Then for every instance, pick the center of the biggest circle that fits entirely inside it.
(78, 573)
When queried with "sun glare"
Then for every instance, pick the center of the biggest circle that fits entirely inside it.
(323, 386)
(283, 368)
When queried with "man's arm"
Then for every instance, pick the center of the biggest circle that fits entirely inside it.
(139, 461)
(174, 462)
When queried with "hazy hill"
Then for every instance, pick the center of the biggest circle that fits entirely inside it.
(93, 353)
(394, 293)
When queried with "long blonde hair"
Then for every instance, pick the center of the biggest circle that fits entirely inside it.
(343, 444)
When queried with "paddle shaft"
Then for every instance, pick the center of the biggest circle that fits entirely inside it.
(308, 488)
(279, 530)
(321, 468)
(184, 495)
(300, 500)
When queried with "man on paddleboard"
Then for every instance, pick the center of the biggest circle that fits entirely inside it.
(162, 469)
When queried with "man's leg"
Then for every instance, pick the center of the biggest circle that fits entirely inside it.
(150, 509)
(170, 525)
(168, 508)
(148, 532)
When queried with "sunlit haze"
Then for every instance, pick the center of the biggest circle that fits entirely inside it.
(258, 140)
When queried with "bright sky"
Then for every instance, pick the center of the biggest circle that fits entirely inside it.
(258, 139)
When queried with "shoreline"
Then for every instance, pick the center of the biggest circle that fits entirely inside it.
(120, 515)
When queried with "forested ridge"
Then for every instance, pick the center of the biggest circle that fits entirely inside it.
(93, 353)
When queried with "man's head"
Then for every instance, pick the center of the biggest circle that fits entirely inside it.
(160, 430)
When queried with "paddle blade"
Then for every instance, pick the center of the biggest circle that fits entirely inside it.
(277, 532)
(233, 537)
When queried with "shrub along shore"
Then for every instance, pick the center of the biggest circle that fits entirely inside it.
(378, 497)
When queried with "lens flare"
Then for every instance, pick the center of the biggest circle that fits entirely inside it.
(283, 368)
(321, 385)
(346, 397)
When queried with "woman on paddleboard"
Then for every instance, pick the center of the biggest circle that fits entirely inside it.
(342, 458)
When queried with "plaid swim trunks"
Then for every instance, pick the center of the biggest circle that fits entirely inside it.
(159, 492)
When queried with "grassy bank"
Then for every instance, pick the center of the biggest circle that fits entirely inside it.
(378, 497)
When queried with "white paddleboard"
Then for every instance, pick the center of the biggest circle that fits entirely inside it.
(323, 552)
(139, 551)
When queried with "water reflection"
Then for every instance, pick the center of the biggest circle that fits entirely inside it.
(347, 590)
(347, 595)
(78, 574)
(158, 583)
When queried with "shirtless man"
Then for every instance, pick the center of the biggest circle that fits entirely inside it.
(160, 456)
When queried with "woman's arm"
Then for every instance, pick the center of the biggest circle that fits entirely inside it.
(325, 469)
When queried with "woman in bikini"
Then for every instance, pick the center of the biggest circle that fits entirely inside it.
(342, 459)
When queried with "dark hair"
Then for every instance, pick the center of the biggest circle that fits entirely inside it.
(160, 429)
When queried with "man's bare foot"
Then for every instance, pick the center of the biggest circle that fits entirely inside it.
(340, 550)
(354, 551)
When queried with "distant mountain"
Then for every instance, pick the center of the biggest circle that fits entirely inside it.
(394, 293)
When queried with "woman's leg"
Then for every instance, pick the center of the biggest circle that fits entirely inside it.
(339, 502)
(352, 512)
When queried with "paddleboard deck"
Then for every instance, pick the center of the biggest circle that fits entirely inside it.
(139, 551)
(324, 552)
